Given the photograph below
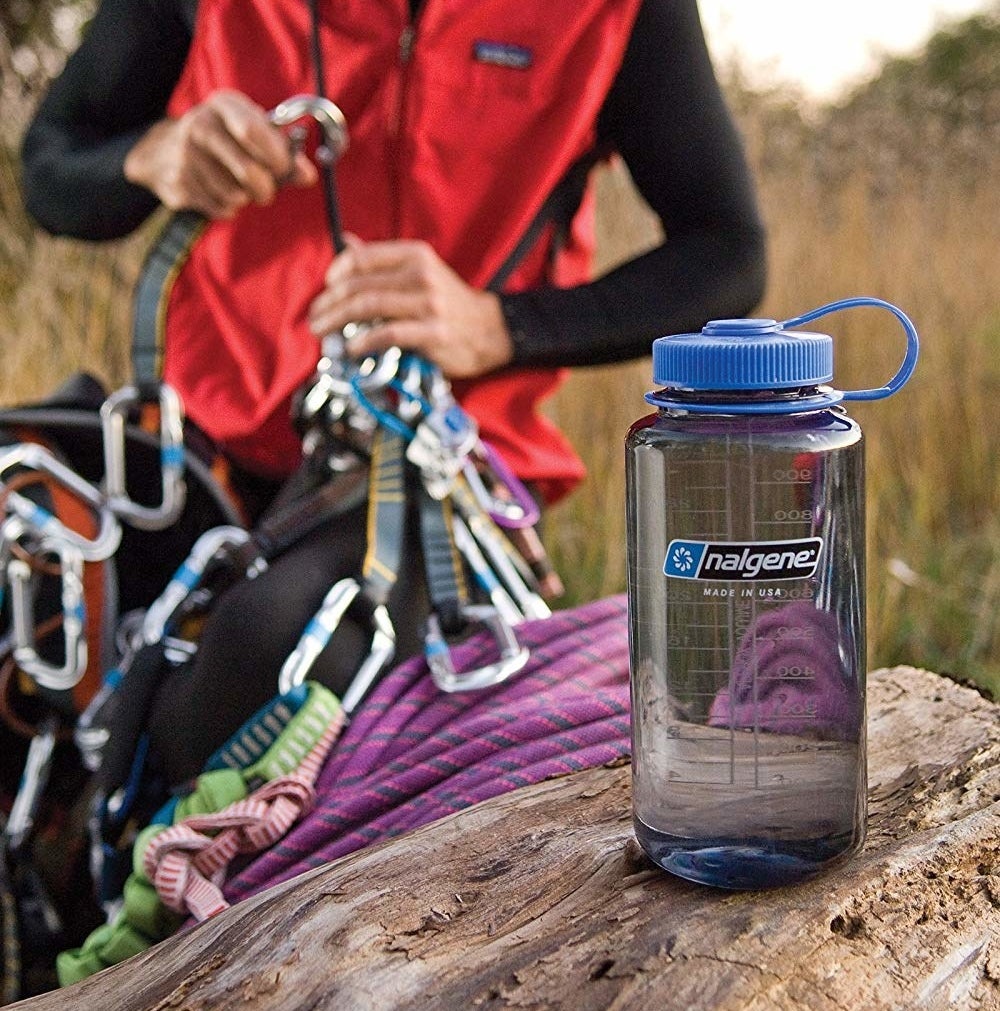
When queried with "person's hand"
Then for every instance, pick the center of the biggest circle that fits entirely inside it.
(216, 158)
(416, 302)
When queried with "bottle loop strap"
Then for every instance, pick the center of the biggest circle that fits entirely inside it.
(912, 342)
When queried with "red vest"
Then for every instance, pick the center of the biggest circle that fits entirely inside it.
(460, 126)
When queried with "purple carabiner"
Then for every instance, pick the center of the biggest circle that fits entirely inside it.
(514, 511)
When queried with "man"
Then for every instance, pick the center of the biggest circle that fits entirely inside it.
(461, 125)
(464, 119)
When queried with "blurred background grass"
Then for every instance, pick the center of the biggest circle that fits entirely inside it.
(891, 192)
(894, 193)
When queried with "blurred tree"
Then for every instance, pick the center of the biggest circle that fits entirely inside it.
(36, 35)
(937, 110)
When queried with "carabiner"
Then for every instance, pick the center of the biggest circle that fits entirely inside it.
(33, 456)
(188, 575)
(441, 445)
(514, 508)
(319, 632)
(48, 675)
(173, 492)
(409, 383)
(328, 394)
(489, 582)
(513, 656)
(12, 529)
(501, 569)
(376, 371)
(328, 115)
(34, 779)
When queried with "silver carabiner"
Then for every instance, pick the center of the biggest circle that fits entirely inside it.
(33, 456)
(514, 508)
(34, 779)
(501, 569)
(319, 632)
(513, 656)
(12, 529)
(329, 394)
(327, 115)
(376, 371)
(489, 582)
(188, 575)
(441, 445)
(74, 617)
(173, 491)
(411, 382)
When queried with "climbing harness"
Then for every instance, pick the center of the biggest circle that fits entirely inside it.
(386, 429)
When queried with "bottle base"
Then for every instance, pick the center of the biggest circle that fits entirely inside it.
(745, 864)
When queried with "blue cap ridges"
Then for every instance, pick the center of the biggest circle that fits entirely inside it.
(743, 354)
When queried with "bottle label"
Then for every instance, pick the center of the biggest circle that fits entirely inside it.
(743, 561)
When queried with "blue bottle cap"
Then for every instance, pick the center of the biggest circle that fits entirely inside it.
(742, 354)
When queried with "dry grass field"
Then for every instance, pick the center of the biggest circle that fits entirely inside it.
(892, 195)
(873, 209)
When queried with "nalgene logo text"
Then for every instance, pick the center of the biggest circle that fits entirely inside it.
(761, 560)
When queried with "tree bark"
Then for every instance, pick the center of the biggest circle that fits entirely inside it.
(542, 899)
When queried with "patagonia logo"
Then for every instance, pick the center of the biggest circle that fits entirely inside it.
(763, 560)
(502, 54)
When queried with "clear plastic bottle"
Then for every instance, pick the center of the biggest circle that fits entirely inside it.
(746, 570)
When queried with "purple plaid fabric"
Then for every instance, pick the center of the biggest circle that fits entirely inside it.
(412, 754)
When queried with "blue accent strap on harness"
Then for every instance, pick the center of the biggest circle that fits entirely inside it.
(153, 289)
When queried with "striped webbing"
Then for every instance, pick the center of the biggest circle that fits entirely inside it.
(193, 839)
(152, 293)
(443, 566)
(386, 515)
(188, 861)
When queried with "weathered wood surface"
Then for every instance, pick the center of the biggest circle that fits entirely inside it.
(542, 899)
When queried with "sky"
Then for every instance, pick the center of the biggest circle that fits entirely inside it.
(823, 47)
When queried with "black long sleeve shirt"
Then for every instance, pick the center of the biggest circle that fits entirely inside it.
(665, 115)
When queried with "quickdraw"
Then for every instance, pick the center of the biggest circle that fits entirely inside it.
(403, 401)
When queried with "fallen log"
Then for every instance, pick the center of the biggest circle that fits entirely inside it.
(542, 899)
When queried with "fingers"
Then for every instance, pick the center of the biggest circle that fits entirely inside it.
(481, 345)
(400, 257)
(332, 312)
(379, 280)
(206, 190)
(413, 301)
(219, 156)
(234, 134)
(249, 126)
(425, 336)
(304, 171)
(231, 166)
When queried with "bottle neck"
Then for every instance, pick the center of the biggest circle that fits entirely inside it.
(773, 401)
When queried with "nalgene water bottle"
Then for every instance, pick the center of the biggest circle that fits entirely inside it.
(746, 582)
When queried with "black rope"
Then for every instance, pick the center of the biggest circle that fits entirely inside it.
(325, 156)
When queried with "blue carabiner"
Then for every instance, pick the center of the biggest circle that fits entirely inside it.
(319, 631)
